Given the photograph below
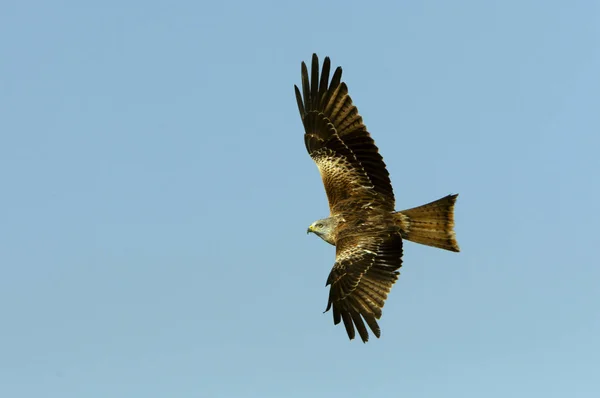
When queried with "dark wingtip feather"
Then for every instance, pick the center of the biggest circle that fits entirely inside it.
(360, 325)
(305, 87)
(299, 101)
(370, 319)
(348, 324)
(324, 81)
(335, 81)
(328, 306)
(314, 82)
(337, 77)
(336, 316)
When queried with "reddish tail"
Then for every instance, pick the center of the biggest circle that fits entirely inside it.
(431, 224)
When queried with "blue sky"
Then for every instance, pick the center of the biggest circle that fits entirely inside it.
(156, 193)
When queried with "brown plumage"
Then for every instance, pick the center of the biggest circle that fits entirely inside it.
(362, 223)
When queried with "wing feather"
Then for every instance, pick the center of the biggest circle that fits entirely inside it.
(300, 103)
(366, 268)
(305, 88)
(314, 80)
(324, 81)
(339, 142)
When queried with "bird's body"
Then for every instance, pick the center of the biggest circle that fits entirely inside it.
(363, 224)
(343, 225)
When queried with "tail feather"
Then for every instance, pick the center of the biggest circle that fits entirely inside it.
(431, 224)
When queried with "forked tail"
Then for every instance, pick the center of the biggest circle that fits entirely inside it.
(431, 224)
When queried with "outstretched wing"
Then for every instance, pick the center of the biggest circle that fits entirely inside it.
(365, 270)
(338, 141)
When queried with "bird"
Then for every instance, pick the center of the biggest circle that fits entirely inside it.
(363, 225)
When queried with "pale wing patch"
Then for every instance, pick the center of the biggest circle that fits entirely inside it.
(340, 178)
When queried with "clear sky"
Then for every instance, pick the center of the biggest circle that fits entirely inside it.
(155, 195)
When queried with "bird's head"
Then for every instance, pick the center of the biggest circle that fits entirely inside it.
(323, 229)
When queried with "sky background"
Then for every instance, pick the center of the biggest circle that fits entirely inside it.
(155, 195)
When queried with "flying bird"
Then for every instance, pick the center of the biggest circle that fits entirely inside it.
(362, 224)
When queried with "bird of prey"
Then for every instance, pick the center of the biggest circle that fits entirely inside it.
(363, 224)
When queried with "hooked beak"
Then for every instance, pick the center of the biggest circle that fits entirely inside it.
(309, 230)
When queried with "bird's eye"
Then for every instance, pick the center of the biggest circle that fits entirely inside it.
(319, 225)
